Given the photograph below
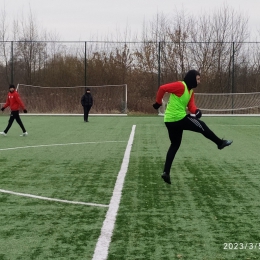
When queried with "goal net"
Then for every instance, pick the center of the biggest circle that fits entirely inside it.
(223, 103)
(107, 99)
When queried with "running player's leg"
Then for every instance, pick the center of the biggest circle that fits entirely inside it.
(175, 136)
(10, 122)
(193, 124)
(19, 121)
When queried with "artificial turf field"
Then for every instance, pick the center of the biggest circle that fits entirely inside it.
(210, 212)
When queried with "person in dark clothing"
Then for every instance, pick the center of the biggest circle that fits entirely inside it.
(177, 120)
(86, 102)
(15, 103)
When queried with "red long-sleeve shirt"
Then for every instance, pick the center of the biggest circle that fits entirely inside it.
(14, 101)
(177, 88)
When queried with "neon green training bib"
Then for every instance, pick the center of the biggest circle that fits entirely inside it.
(176, 107)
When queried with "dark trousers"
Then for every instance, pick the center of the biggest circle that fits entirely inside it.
(14, 116)
(86, 112)
(175, 131)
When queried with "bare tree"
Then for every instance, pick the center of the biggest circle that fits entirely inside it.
(5, 49)
(217, 45)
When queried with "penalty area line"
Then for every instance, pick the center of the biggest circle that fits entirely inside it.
(102, 246)
(51, 199)
(49, 145)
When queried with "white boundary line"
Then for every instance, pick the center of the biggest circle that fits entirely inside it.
(51, 199)
(241, 125)
(101, 250)
(220, 115)
(48, 145)
(48, 114)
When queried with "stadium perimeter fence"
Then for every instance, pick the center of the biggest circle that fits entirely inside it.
(226, 67)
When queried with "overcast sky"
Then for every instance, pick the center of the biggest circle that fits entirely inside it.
(84, 20)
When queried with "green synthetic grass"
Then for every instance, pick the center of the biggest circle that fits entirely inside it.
(213, 199)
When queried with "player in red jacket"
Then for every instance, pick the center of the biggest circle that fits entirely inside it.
(15, 103)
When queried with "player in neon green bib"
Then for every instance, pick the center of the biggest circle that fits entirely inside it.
(174, 111)
(176, 119)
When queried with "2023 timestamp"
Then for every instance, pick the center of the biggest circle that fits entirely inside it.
(240, 246)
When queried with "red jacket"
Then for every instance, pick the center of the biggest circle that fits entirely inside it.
(14, 101)
(176, 88)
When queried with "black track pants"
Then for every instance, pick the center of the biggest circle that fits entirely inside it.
(86, 112)
(175, 130)
(14, 116)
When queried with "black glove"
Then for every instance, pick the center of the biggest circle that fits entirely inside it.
(156, 105)
(2, 108)
(25, 111)
(198, 113)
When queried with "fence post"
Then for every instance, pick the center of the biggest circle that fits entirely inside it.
(233, 75)
(12, 62)
(159, 65)
(85, 63)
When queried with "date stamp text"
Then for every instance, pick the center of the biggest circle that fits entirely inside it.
(241, 246)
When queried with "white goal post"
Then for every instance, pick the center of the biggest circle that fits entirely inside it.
(108, 99)
(223, 103)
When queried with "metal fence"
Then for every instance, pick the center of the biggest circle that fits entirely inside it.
(226, 67)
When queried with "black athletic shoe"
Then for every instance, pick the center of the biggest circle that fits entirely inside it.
(224, 144)
(166, 178)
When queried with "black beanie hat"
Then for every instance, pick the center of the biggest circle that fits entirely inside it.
(87, 89)
(190, 79)
(11, 86)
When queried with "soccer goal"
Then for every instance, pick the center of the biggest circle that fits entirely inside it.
(223, 103)
(108, 99)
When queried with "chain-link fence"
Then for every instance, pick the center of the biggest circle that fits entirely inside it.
(226, 67)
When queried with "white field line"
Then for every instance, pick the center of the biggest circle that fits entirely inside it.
(102, 246)
(241, 125)
(49, 145)
(51, 199)
(90, 115)
(46, 198)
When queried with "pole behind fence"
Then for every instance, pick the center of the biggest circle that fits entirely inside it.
(159, 64)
